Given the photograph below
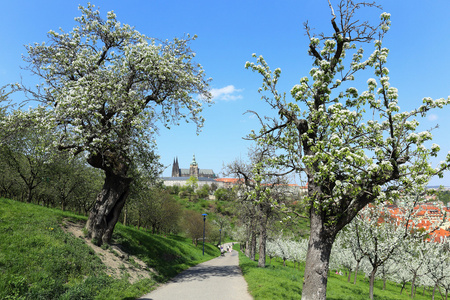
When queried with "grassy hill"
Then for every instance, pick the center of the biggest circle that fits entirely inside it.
(39, 259)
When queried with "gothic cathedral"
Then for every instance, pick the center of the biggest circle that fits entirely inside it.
(192, 171)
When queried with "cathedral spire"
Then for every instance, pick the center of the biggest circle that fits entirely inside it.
(193, 163)
(175, 168)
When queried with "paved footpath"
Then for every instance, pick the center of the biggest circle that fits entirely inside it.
(219, 278)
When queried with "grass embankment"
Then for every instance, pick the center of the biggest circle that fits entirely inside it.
(39, 260)
(279, 282)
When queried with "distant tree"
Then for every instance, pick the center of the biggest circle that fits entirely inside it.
(9, 179)
(193, 224)
(355, 148)
(174, 190)
(105, 89)
(223, 224)
(342, 256)
(413, 262)
(25, 153)
(438, 267)
(350, 244)
(162, 212)
(381, 236)
(444, 196)
(214, 187)
(190, 188)
(192, 183)
(261, 189)
(91, 182)
(221, 194)
(64, 178)
(203, 192)
(4, 105)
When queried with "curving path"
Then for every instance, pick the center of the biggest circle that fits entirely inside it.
(219, 278)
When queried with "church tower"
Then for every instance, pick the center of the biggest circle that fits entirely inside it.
(175, 168)
(193, 170)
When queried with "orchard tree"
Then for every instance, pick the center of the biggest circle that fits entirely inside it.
(381, 236)
(349, 241)
(438, 266)
(259, 187)
(414, 261)
(105, 90)
(24, 153)
(355, 148)
(342, 256)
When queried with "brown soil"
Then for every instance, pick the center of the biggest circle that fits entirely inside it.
(117, 262)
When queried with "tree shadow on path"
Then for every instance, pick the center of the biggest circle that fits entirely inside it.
(204, 272)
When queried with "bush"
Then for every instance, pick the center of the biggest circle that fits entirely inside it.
(173, 190)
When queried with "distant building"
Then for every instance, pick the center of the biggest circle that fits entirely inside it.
(180, 176)
(192, 171)
(207, 176)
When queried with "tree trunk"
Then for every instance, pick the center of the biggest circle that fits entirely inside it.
(125, 215)
(317, 259)
(29, 193)
(413, 281)
(253, 241)
(262, 240)
(349, 275)
(372, 281)
(356, 271)
(63, 203)
(403, 286)
(249, 237)
(106, 210)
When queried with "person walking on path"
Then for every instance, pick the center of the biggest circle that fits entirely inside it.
(219, 278)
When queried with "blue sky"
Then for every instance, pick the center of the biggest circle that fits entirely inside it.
(228, 33)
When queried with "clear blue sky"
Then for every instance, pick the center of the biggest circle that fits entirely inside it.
(228, 33)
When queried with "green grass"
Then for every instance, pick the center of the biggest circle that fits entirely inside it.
(168, 255)
(38, 260)
(278, 282)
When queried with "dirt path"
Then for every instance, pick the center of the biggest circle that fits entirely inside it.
(219, 278)
(117, 262)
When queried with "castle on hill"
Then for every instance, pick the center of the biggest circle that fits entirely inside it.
(207, 176)
(193, 170)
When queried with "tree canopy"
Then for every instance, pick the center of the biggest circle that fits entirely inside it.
(105, 85)
(105, 90)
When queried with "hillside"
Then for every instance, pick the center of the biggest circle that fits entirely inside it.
(41, 258)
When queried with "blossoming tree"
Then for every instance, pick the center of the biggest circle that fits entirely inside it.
(105, 88)
(380, 236)
(353, 147)
(258, 187)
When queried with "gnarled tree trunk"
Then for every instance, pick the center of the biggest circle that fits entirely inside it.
(106, 211)
(317, 259)
(110, 201)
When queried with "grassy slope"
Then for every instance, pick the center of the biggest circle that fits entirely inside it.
(278, 282)
(38, 260)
